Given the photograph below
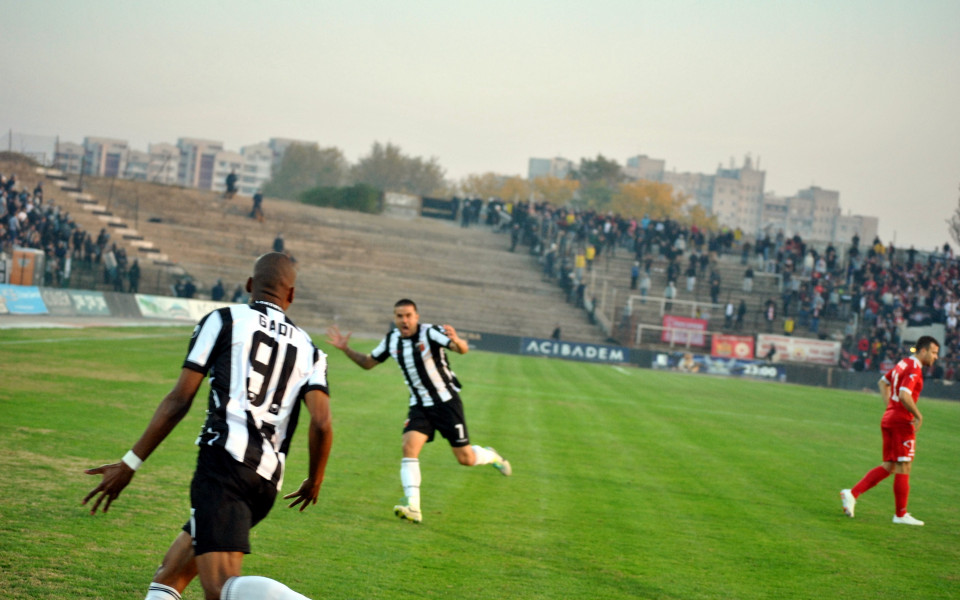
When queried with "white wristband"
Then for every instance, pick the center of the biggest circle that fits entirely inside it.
(132, 460)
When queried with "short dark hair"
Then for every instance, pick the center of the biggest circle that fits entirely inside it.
(926, 341)
(406, 302)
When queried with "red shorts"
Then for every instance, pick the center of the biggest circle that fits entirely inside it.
(899, 443)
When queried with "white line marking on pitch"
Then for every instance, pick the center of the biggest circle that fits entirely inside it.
(89, 339)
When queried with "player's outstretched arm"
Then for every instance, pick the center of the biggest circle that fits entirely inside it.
(321, 439)
(341, 342)
(173, 407)
(457, 343)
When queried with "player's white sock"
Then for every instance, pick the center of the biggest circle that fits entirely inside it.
(483, 456)
(252, 587)
(158, 591)
(410, 479)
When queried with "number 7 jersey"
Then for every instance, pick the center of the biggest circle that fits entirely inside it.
(260, 366)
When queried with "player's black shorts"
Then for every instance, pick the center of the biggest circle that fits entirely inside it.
(227, 499)
(445, 417)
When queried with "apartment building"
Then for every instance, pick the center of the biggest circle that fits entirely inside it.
(192, 162)
(106, 157)
(164, 163)
(252, 165)
(258, 164)
(549, 167)
(137, 165)
(736, 196)
(197, 162)
(69, 157)
(814, 213)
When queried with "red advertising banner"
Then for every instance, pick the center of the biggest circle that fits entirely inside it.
(681, 330)
(732, 346)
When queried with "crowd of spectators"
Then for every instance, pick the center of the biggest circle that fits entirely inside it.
(871, 291)
(860, 293)
(570, 242)
(29, 220)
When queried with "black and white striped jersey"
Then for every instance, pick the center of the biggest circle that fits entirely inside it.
(261, 365)
(423, 360)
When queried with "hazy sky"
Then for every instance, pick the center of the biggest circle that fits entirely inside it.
(862, 97)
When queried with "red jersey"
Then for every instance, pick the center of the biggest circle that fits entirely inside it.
(907, 375)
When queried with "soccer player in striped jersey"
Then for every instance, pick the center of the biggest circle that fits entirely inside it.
(900, 387)
(261, 368)
(420, 351)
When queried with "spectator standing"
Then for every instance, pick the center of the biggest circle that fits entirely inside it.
(644, 284)
(741, 313)
(257, 211)
(691, 278)
(133, 276)
(748, 281)
(714, 287)
(788, 326)
(278, 243)
(217, 292)
(770, 314)
(231, 184)
(670, 292)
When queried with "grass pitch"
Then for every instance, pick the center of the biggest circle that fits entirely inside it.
(627, 483)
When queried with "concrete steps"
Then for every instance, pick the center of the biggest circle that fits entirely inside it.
(352, 266)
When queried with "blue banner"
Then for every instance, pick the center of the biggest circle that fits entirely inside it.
(22, 299)
(574, 350)
(735, 367)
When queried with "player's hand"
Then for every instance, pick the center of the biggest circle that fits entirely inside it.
(306, 495)
(337, 339)
(917, 422)
(458, 344)
(116, 476)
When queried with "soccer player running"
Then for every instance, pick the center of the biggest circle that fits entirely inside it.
(261, 366)
(900, 387)
(435, 405)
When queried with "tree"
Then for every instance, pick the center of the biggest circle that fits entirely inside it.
(388, 169)
(515, 189)
(953, 224)
(491, 185)
(651, 198)
(599, 170)
(484, 185)
(359, 197)
(594, 194)
(697, 215)
(554, 190)
(304, 167)
(598, 179)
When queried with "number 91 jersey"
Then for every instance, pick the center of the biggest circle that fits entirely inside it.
(260, 365)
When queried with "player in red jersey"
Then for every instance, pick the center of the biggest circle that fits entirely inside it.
(900, 387)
